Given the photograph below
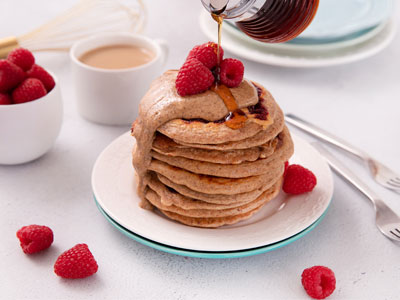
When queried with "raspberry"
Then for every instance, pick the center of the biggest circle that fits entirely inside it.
(5, 99)
(39, 73)
(207, 54)
(318, 281)
(35, 238)
(259, 111)
(22, 57)
(193, 78)
(231, 72)
(77, 262)
(10, 75)
(215, 47)
(30, 89)
(285, 169)
(298, 180)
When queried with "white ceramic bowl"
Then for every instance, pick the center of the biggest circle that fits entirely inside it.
(28, 130)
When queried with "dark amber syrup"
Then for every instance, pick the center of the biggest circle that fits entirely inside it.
(279, 21)
(236, 117)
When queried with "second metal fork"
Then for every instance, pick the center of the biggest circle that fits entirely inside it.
(387, 221)
(382, 174)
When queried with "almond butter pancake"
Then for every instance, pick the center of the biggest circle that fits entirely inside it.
(170, 197)
(166, 146)
(214, 198)
(201, 131)
(259, 139)
(156, 200)
(196, 165)
(212, 222)
(261, 166)
(212, 184)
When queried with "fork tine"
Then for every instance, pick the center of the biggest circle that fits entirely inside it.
(396, 234)
(390, 182)
(392, 187)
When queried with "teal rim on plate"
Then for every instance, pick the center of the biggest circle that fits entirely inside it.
(209, 254)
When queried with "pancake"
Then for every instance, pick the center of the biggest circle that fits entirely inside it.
(169, 196)
(215, 198)
(211, 184)
(193, 131)
(209, 159)
(259, 139)
(213, 222)
(162, 104)
(261, 166)
(245, 169)
(156, 200)
(205, 132)
(166, 146)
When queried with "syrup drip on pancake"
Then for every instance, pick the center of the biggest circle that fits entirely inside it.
(236, 117)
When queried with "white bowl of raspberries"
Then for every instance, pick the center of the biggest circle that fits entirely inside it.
(30, 108)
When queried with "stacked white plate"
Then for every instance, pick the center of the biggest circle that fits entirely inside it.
(284, 220)
(343, 31)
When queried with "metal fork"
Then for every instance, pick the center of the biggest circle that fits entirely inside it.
(382, 174)
(387, 221)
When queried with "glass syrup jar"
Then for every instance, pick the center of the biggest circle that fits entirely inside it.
(269, 21)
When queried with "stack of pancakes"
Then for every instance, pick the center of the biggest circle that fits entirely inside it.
(206, 174)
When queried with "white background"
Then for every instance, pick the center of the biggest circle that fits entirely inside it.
(359, 102)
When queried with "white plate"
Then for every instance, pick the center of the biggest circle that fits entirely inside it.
(338, 18)
(208, 254)
(113, 183)
(288, 55)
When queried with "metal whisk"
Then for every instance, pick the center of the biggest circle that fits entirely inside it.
(87, 17)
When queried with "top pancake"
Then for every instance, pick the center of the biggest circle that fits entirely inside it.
(205, 132)
(260, 138)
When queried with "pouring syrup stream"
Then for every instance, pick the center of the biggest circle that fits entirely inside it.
(236, 117)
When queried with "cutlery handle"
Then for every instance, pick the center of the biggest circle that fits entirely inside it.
(346, 173)
(324, 135)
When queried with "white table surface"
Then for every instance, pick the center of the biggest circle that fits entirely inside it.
(359, 102)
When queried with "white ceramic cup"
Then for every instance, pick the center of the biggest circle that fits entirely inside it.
(28, 130)
(112, 96)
